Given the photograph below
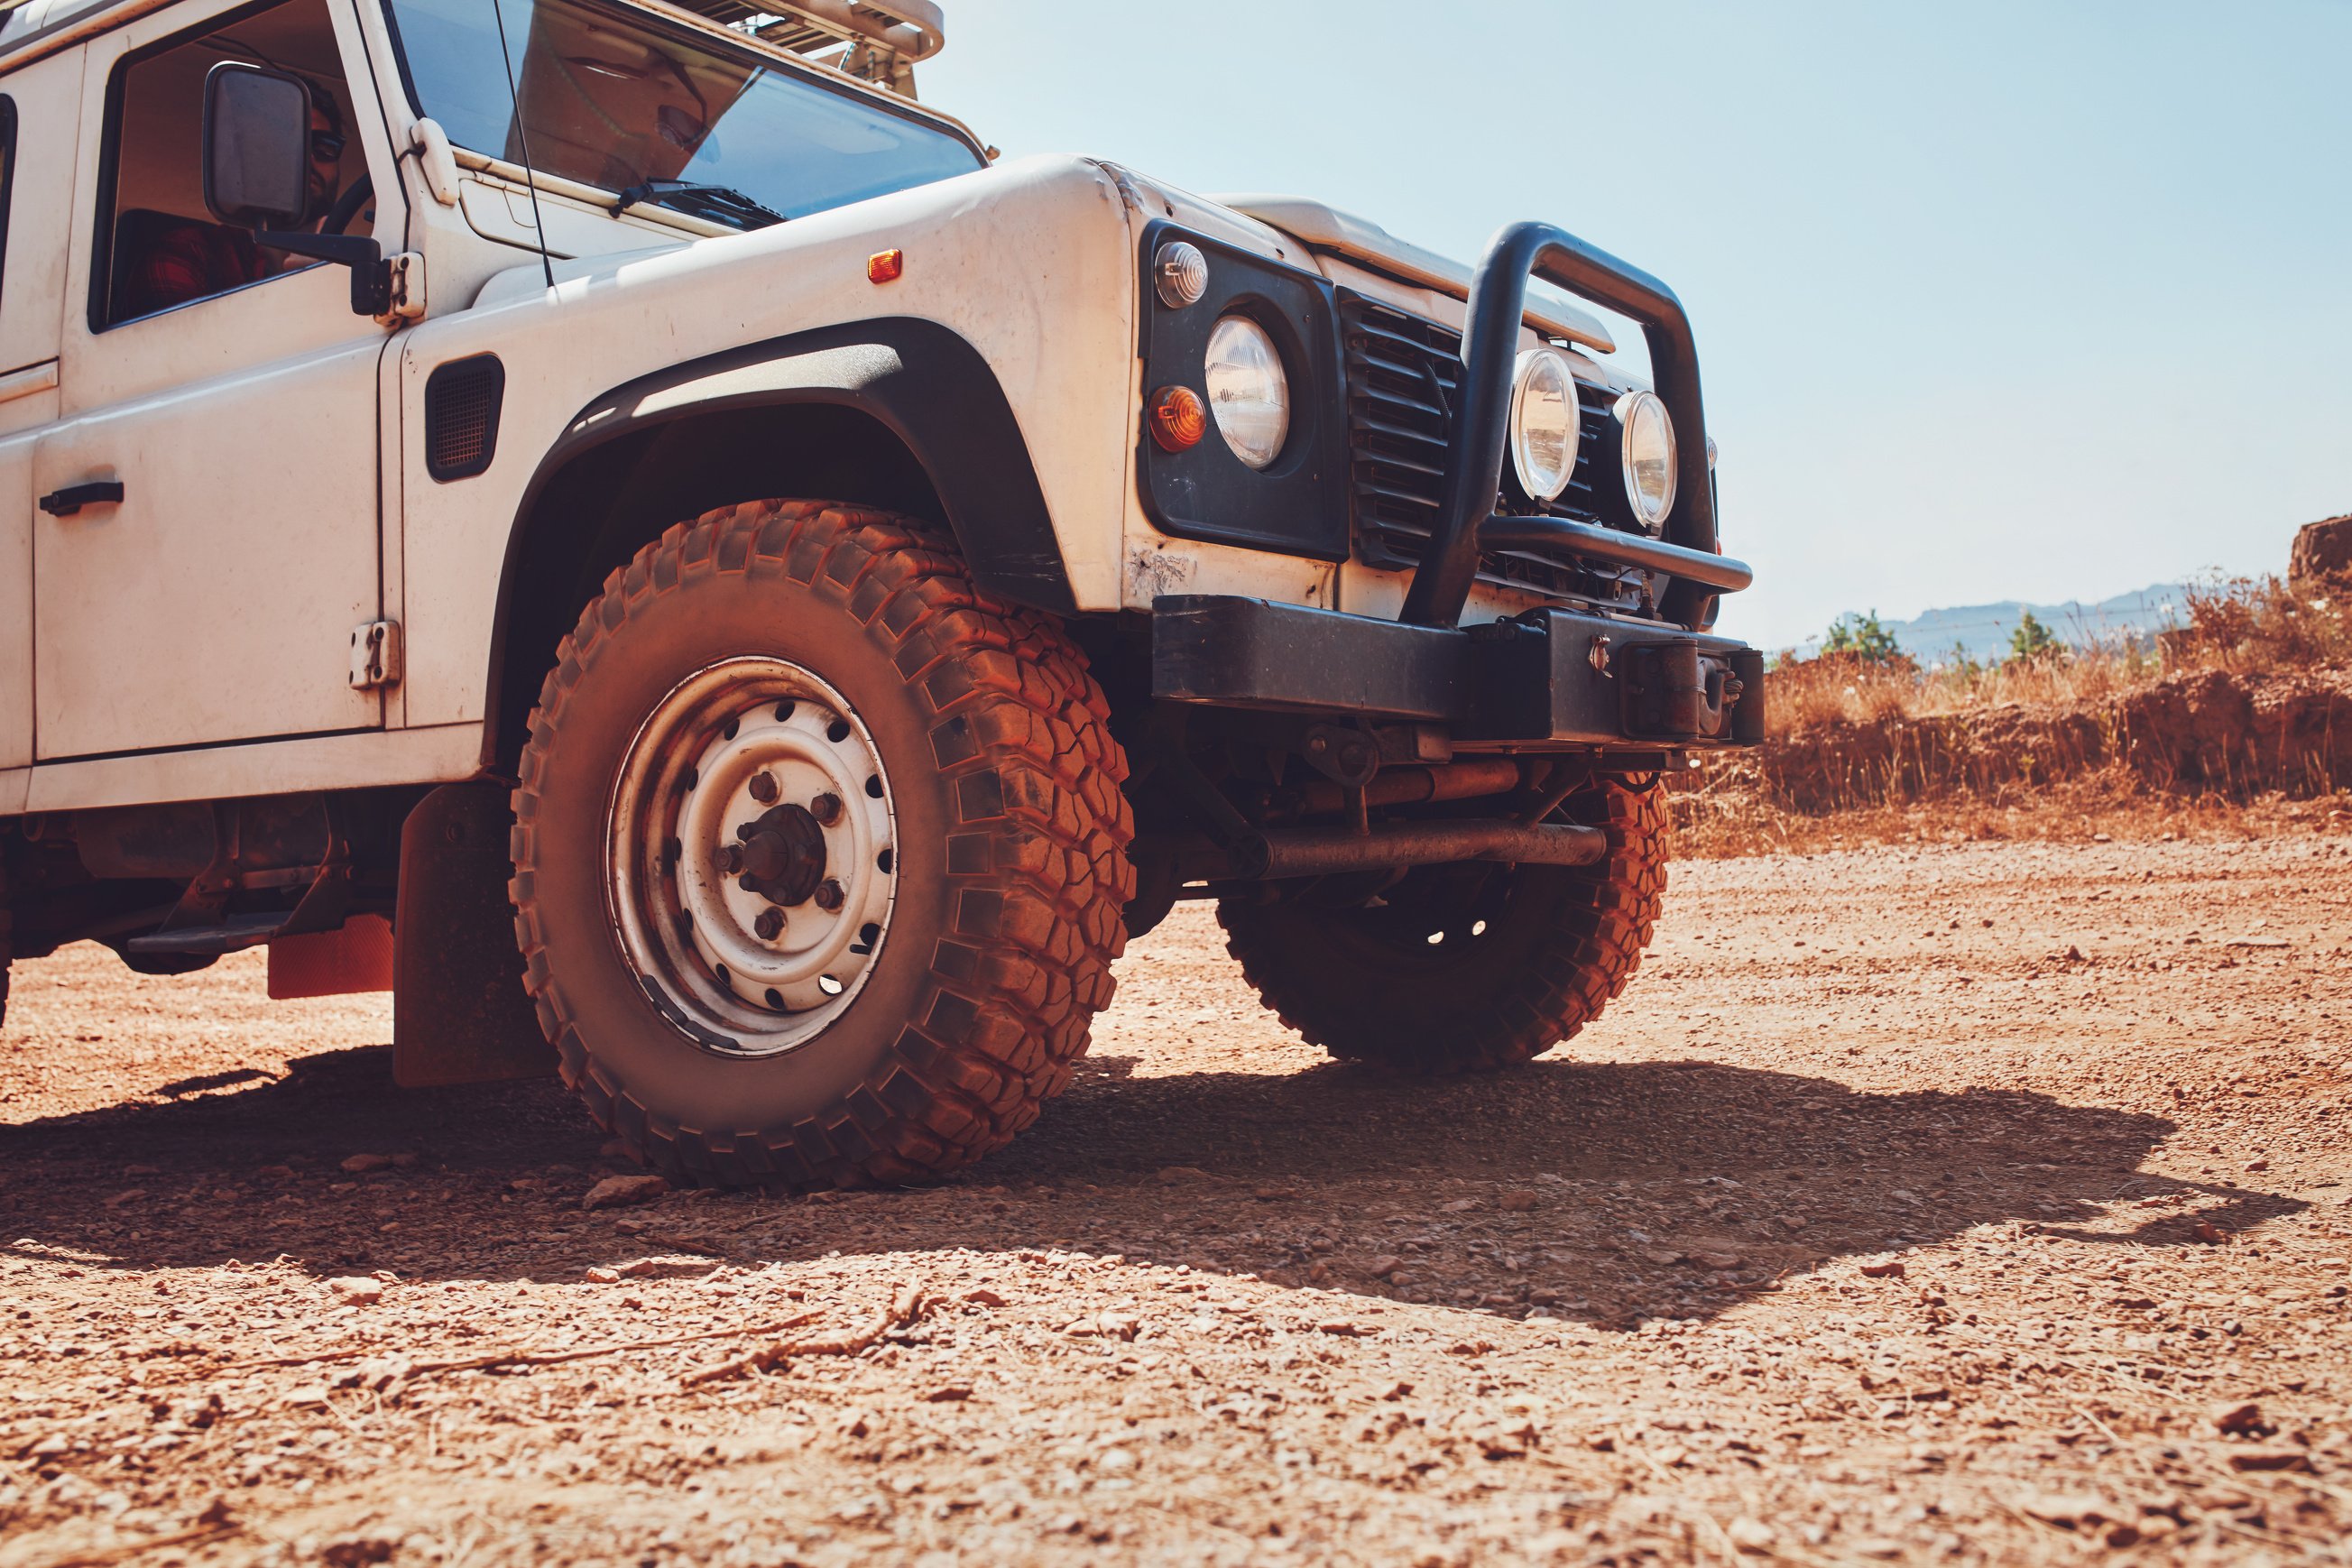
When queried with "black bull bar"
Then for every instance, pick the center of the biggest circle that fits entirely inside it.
(1466, 522)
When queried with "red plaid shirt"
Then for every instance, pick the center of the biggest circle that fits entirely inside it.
(190, 261)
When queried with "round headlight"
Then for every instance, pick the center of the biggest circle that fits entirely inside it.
(1543, 423)
(1645, 449)
(1248, 392)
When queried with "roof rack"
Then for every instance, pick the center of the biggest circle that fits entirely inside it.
(873, 40)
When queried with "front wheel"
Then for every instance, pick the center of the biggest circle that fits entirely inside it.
(1467, 966)
(819, 851)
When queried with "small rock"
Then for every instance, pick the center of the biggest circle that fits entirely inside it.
(1468, 1347)
(1663, 1256)
(357, 1291)
(984, 1298)
(1342, 1328)
(2068, 1511)
(2074, 953)
(602, 1276)
(2252, 1459)
(949, 1393)
(1751, 1534)
(2258, 1164)
(126, 1198)
(1792, 1221)
(359, 1164)
(613, 1191)
(1386, 1264)
(357, 1551)
(1890, 1269)
(2122, 1533)
(667, 1267)
(2211, 1234)
(1717, 1259)
(1105, 1325)
(406, 1160)
(1518, 1200)
(1459, 1205)
(275, 1174)
(2240, 1418)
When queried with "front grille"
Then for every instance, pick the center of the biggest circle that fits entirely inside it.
(1404, 381)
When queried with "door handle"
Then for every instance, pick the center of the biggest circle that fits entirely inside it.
(73, 497)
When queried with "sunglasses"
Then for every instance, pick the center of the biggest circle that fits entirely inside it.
(325, 146)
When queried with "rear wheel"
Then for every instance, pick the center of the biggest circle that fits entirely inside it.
(1468, 966)
(819, 853)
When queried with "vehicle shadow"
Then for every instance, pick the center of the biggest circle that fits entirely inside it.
(1600, 1191)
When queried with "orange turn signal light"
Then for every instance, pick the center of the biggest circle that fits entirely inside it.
(1178, 418)
(884, 266)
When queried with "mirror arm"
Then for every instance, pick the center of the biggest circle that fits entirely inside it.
(371, 274)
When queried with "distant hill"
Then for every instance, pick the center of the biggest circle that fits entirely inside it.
(1983, 630)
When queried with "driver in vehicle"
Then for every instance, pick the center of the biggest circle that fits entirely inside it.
(183, 260)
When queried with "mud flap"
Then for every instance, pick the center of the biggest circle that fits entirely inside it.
(459, 1014)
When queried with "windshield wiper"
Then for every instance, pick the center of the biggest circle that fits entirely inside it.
(719, 204)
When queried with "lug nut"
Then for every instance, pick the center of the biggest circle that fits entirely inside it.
(764, 788)
(769, 926)
(825, 808)
(829, 895)
(731, 860)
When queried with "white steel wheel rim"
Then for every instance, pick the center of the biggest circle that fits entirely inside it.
(704, 860)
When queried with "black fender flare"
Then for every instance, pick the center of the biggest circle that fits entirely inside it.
(923, 382)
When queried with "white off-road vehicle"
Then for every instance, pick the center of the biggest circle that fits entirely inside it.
(612, 520)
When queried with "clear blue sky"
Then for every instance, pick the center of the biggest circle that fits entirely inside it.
(1996, 300)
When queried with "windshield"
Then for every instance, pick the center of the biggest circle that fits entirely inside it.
(613, 99)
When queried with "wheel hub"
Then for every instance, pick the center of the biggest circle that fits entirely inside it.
(783, 856)
(751, 845)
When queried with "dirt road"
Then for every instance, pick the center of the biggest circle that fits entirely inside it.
(1922, 1205)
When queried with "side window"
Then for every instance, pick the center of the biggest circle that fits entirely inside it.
(160, 248)
(7, 180)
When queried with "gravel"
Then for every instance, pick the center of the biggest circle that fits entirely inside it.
(1927, 1240)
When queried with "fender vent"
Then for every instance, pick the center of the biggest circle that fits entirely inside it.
(461, 416)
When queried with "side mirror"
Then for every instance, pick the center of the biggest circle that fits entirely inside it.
(256, 146)
(258, 174)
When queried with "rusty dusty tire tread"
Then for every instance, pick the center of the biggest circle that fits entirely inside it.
(1027, 986)
(1574, 972)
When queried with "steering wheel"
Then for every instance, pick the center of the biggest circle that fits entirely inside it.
(347, 205)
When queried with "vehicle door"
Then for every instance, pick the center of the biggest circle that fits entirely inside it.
(229, 392)
(40, 116)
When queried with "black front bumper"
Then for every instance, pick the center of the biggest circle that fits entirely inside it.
(1552, 678)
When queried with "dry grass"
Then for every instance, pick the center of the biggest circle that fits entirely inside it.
(2242, 624)
(1875, 750)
